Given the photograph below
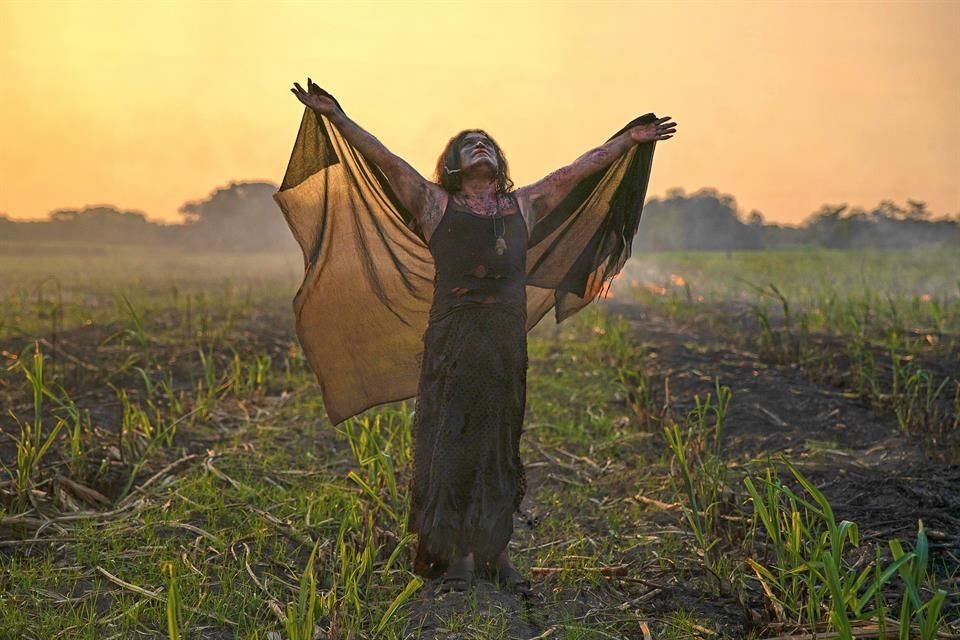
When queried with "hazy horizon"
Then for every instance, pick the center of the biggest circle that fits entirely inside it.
(785, 106)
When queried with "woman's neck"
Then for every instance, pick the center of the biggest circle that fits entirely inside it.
(478, 187)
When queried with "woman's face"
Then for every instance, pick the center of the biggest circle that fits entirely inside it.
(477, 154)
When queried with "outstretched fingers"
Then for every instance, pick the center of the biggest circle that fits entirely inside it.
(665, 128)
(312, 87)
(300, 94)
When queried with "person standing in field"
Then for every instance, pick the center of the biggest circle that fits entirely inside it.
(468, 478)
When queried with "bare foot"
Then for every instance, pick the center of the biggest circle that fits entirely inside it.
(459, 575)
(508, 577)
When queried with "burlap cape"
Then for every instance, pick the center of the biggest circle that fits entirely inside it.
(363, 305)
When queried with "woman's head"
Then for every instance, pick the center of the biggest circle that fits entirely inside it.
(472, 151)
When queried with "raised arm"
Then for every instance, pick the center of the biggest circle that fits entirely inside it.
(541, 197)
(420, 196)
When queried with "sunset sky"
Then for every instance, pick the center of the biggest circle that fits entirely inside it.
(784, 105)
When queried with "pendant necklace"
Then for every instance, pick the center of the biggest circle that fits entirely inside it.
(500, 245)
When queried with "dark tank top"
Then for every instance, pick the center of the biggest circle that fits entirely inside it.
(469, 271)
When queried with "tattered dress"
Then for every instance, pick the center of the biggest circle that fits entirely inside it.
(472, 391)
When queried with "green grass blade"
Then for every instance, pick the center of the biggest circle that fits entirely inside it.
(411, 588)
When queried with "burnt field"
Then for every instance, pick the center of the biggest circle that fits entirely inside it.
(745, 445)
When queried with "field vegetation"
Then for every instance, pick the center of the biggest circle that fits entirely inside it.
(731, 445)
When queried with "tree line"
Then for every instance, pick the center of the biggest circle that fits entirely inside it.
(708, 220)
(242, 216)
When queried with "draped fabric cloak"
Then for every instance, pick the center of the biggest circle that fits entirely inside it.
(363, 306)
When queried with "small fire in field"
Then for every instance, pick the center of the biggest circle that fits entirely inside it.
(651, 284)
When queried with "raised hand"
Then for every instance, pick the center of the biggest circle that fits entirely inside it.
(316, 98)
(659, 129)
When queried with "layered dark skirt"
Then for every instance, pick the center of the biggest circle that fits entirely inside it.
(468, 478)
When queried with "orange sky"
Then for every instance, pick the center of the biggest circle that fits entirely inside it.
(784, 105)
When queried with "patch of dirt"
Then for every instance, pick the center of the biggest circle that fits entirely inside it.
(87, 361)
(872, 473)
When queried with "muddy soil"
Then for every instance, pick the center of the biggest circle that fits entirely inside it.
(872, 473)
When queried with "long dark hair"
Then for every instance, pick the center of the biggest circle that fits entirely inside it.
(447, 174)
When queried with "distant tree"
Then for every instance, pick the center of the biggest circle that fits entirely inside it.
(831, 212)
(827, 228)
(101, 223)
(702, 220)
(675, 192)
(918, 210)
(240, 216)
(888, 209)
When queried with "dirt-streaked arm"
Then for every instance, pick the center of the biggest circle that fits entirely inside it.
(541, 197)
(422, 198)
